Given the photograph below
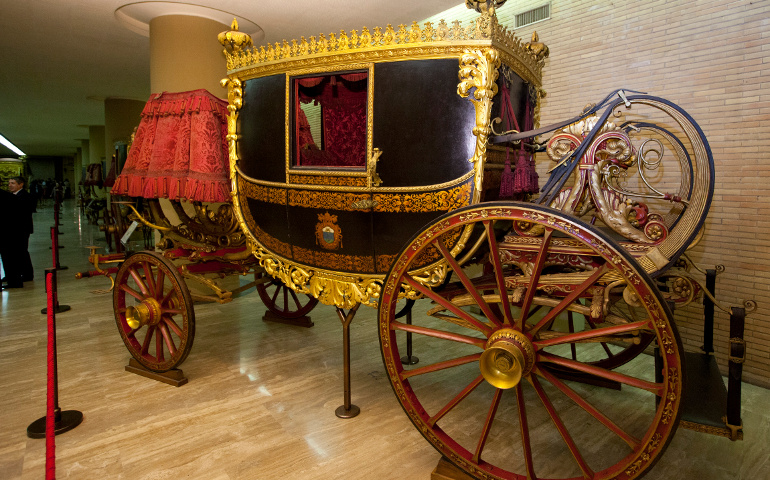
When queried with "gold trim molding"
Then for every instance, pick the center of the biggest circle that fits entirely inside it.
(387, 44)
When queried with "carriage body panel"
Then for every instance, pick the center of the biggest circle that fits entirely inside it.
(420, 112)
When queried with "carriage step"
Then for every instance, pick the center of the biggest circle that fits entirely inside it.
(704, 401)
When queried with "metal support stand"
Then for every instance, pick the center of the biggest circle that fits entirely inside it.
(708, 312)
(408, 359)
(347, 410)
(69, 419)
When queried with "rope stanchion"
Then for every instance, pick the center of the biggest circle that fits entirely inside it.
(56, 306)
(55, 249)
(55, 421)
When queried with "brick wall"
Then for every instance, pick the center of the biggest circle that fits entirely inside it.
(711, 57)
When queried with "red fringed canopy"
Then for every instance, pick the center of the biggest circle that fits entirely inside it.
(179, 150)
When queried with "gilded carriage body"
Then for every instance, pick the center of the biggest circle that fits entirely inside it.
(345, 146)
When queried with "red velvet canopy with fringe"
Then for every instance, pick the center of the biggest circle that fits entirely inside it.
(179, 150)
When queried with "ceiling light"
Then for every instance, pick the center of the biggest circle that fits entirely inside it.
(13, 147)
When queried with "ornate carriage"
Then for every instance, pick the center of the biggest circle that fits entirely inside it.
(359, 169)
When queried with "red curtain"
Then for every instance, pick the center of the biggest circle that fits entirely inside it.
(179, 150)
(343, 104)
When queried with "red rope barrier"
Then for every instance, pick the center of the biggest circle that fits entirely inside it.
(50, 436)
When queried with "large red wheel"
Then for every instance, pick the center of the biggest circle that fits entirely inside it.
(511, 392)
(154, 311)
(282, 300)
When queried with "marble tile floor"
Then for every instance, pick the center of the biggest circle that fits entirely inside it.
(260, 399)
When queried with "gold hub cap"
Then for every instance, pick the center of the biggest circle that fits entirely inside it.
(508, 357)
(147, 312)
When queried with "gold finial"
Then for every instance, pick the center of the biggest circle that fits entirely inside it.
(537, 48)
(233, 40)
(484, 6)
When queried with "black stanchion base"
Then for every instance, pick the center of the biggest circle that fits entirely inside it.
(68, 420)
(173, 377)
(413, 360)
(58, 309)
(60, 246)
(343, 412)
(59, 267)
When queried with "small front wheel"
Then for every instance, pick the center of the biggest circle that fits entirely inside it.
(153, 311)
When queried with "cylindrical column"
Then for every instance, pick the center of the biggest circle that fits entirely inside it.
(184, 54)
(121, 116)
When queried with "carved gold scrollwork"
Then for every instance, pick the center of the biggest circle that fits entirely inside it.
(479, 71)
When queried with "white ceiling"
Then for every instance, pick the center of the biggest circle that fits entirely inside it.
(59, 59)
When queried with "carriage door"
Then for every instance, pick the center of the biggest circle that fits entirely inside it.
(329, 205)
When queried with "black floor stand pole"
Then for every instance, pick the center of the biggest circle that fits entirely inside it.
(69, 419)
(408, 359)
(347, 410)
(56, 307)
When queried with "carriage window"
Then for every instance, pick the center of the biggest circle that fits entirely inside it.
(330, 120)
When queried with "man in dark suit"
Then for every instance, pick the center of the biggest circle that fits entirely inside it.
(16, 207)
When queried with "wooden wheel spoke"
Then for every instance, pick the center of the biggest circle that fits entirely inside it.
(596, 333)
(467, 283)
(173, 326)
(297, 303)
(286, 299)
(534, 279)
(434, 367)
(167, 338)
(448, 305)
(487, 425)
(526, 443)
(587, 472)
(456, 400)
(173, 311)
(132, 292)
(632, 441)
(497, 266)
(139, 281)
(275, 294)
(454, 337)
(147, 339)
(149, 279)
(655, 388)
(159, 355)
(159, 283)
(579, 290)
(606, 347)
(166, 297)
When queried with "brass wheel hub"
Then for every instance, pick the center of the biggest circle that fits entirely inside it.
(146, 313)
(509, 356)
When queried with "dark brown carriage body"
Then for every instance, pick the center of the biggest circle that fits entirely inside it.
(427, 130)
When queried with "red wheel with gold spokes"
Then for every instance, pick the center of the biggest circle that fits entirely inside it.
(515, 391)
(282, 300)
(153, 311)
